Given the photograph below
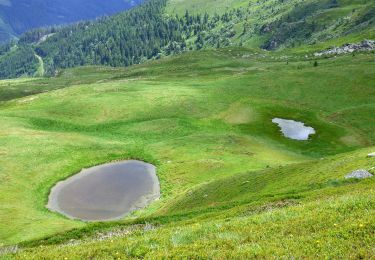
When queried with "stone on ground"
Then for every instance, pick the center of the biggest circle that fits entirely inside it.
(359, 174)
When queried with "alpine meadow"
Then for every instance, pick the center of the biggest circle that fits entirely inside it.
(191, 129)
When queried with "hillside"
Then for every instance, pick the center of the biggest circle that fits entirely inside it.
(161, 28)
(194, 91)
(324, 223)
(200, 7)
(19, 16)
(228, 177)
(279, 24)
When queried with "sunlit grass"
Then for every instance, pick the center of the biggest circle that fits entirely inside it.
(204, 119)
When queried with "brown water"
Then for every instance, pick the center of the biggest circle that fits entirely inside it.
(106, 192)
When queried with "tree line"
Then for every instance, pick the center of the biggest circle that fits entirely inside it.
(146, 32)
(131, 37)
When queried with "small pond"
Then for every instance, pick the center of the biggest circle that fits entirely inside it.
(293, 129)
(106, 192)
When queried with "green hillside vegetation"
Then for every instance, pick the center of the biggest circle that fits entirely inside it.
(325, 223)
(232, 185)
(18, 61)
(193, 90)
(160, 28)
(200, 7)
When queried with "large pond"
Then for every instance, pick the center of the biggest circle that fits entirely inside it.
(106, 192)
(293, 129)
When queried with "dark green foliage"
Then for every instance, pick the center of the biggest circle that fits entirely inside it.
(122, 40)
(300, 24)
(17, 63)
(129, 38)
(146, 32)
(37, 35)
(5, 48)
(294, 24)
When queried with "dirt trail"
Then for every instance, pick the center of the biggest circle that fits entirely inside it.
(40, 71)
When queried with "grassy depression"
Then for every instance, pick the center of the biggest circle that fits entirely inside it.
(205, 120)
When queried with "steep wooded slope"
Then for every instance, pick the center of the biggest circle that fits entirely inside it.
(153, 30)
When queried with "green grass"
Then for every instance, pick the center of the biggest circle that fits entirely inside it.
(198, 7)
(12, 89)
(333, 225)
(40, 71)
(304, 26)
(232, 186)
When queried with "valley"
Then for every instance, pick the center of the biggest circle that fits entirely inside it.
(205, 120)
(19, 16)
(240, 131)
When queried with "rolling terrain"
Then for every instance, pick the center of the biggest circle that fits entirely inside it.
(204, 119)
(195, 95)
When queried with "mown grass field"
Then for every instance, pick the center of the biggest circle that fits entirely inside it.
(232, 185)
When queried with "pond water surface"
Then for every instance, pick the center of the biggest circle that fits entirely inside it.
(293, 129)
(106, 192)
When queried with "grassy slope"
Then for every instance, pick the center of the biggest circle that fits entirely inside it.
(328, 217)
(197, 6)
(338, 25)
(199, 117)
(11, 89)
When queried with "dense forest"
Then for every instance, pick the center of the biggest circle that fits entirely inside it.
(122, 40)
(19, 62)
(146, 32)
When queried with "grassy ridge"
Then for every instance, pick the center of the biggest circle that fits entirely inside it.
(330, 218)
(295, 182)
(199, 117)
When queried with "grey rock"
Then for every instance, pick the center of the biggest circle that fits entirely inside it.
(9, 250)
(359, 174)
(365, 45)
(371, 155)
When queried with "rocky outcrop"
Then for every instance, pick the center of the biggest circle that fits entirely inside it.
(366, 45)
(359, 174)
